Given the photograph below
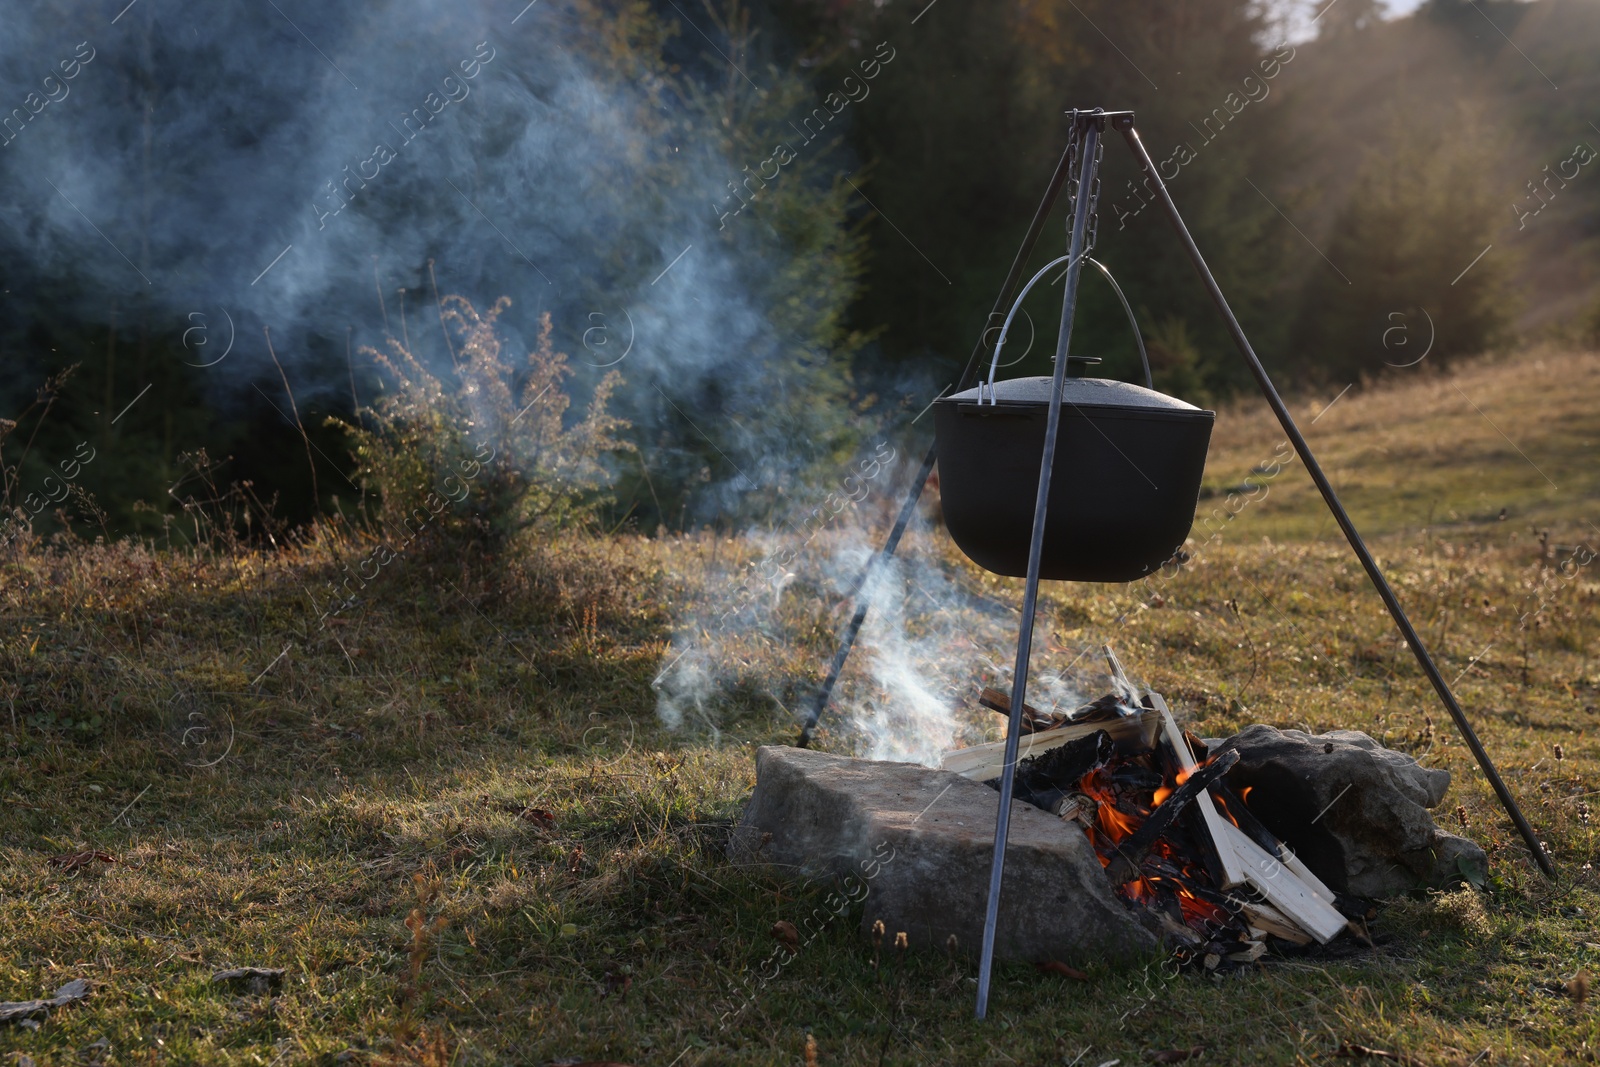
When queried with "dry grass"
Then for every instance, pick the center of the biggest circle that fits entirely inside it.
(1431, 450)
(452, 817)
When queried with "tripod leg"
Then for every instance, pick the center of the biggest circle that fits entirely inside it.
(1086, 126)
(1008, 292)
(1324, 486)
(850, 632)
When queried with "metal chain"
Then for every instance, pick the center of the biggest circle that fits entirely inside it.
(1094, 197)
(1075, 146)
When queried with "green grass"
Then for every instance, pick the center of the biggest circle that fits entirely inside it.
(476, 743)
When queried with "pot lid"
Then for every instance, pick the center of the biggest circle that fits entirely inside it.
(1100, 392)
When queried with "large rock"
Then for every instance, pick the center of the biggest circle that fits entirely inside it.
(1354, 811)
(920, 841)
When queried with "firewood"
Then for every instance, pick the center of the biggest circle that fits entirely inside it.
(1118, 675)
(1269, 920)
(1062, 769)
(1249, 955)
(1283, 889)
(985, 761)
(1033, 719)
(1174, 929)
(1253, 829)
(1076, 808)
(1233, 870)
(1125, 867)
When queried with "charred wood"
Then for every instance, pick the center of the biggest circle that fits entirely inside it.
(1125, 867)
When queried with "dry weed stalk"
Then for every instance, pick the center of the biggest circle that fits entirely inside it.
(491, 435)
(423, 934)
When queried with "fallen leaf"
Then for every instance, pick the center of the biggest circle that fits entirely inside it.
(254, 979)
(575, 859)
(1351, 1051)
(1177, 1055)
(784, 931)
(1057, 967)
(1578, 988)
(71, 861)
(22, 1010)
(538, 816)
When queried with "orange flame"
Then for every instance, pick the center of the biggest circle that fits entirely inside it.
(1196, 911)
(1117, 825)
(1113, 824)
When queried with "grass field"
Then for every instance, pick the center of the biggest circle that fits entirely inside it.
(452, 817)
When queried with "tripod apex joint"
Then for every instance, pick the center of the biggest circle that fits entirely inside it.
(1119, 120)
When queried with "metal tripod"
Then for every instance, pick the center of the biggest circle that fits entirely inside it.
(1083, 155)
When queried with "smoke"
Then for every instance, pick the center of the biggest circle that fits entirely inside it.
(758, 640)
(904, 703)
(291, 165)
(226, 168)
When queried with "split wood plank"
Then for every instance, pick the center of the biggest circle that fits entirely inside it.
(1233, 868)
(1312, 882)
(1246, 821)
(1264, 919)
(985, 761)
(1283, 889)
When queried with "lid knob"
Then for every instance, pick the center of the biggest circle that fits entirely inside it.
(1077, 364)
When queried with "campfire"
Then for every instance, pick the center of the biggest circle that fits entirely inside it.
(1183, 851)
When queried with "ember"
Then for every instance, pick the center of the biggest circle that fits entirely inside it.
(1182, 850)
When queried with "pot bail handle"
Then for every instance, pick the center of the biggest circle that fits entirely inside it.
(994, 364)
(1138, 338)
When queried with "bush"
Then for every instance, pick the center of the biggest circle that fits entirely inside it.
(485, 451)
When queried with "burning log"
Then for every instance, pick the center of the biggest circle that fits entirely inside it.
(1233, 870)
(1049, 780)
(1131, 853)
(1304, 899)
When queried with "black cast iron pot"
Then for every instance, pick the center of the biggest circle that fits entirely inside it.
(1122, 494)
